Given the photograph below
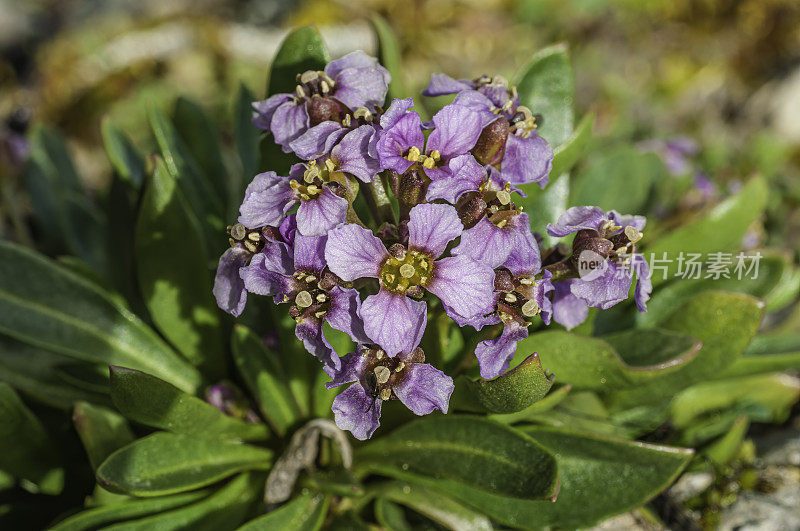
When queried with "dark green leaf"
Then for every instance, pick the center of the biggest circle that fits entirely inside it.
(390, 56)
(464, 450)
(337, 481)
(201, 137)
(426, 501)
(26, 451)
(510, 392)
(724, 449)
(544, 206)
(547, 403)
(721, 229)
(101, 430)
(390, 515)
(261, 371)
(546, 86)
(173, 277)
(302, 49)
(651, 351)
(303, 513)
(224, 509)
(568, 153)
(52, 308)
(127, 162)
(767, 353)
(99, 516)
(156, 403)
(168, 463)
(246, 137)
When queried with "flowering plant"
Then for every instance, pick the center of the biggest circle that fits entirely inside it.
(425, 286)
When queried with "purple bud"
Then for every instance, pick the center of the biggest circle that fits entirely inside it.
(323, 109)
(491, 144)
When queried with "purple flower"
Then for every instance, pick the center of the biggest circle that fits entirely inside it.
(295, 273)
(509, 140)
(228, 285)
(675, 152)
(394, 318)
(568, 310)
(377, 377)
(353, 81)
(605, 252)
(402, 143)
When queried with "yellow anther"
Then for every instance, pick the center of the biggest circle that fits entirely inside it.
(435, 155)
(346, 121)
(320, 314)
(330, 165)
(386, 394)
(388, 277)
(379, 354)
(525, 281)
(305, 197)
(428, 163)
(300, 92)
(502, 223)
(400, 367)
(407, 271)
(303, 299)
(324, 87)
(510, 297)
(321, 297)
(312, 189)
(504, 197)
(294, 185)
(310, 174)
(310, 278)
(633, 234)
(530, 308)
(413, 154)
(382, 374)
(308, 76)
(254, 236)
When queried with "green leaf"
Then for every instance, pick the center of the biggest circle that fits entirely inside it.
(261, 371)
(723, 450)
(50, 307)
(246, 137)
(546, 86)
(618, 179)
(174, 280)
(107, 514)
(767, 353)
(464, 450)
(724, 323)
(568, 153)
(544, 206)
(127, 162)
(652, 352)
(721, 229)
(201, 137)
(390, 515)
(26, 451)
(510, 392)
(302, 49)
(305, 512)
(156, 403)
(102, 431)
(337, 481)
(430, 503)
(390, 56)
(224, 509)
(168, 463)
(547, 403)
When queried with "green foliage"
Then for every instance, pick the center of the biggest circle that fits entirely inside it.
(304, 513)
(303, 49)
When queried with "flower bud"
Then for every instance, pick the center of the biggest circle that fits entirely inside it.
(491, 145)
(412, 188)
(323, 109)
(471, 208)
(503, 279)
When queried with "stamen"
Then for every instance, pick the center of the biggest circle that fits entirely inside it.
(525, 281)
(504, 197)
(330, 165)
(303, 299)
(308, 76)
(310, 278)
(633, 234)
(320, 314)
(322, 297)
(435, 155)
(428, 163)
(413, 154)
(386, 394)
(407, 271)
(238, 231)
(510, 297)
(300, 92)
(346, 121)
(530, 308)
(324, 87)
(363, 113)
(400, 367)
(379, 354)
(502, 223)
(382, 374)
(254, 236)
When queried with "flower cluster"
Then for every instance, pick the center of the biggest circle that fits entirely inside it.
(444, 234)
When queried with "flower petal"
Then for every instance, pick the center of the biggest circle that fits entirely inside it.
(525, 258)
(607, 289)
(267, 199)
(568, 310)
(457, 131)
(494, 355)
(464, 285)
(351, 369)
(344, 313)
(442, 84)
(229, 287)
(527, 160)
(352, 154)
(397, 140)
(289, 122)
(644, 284)
(354, 252)
(479, 103)
(466, 176)
(393, 321)
(355, 59)
(318, 141)
(309, 253)
(309, 331)
(577, 218)
(264, 110)
(259, 279)
(432, 226)
(356, 412)
(397, 109)
(488, 243)
(361, 87)
(624, 220)
(424, 388)
(321, 214)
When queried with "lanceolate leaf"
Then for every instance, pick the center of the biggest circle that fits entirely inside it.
(390, 56)
(261, 371)
(302, 49)
(246, 136)
(127, 162)
(101, 430)
(50, 307)
(767, 353)
(464, 450)
(305, 512)
(568, 153)
(153, 402)
(173, 277)
(168, 463)
(201, 136)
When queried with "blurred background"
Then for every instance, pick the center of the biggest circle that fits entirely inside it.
(711, 86)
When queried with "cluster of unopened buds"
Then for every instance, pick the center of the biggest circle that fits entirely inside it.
(438, 232)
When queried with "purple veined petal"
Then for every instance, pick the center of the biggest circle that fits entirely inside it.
(424, 388)
(497, 93)
(395, 142)
(494, 355)
(440, 173)
(397, 109)
(262, 281)
(361, 87)
(267, 199)
(393, 321)
(317, 141)
(606, 290)
(542, 295)
(309, 331)
(309, 253)
(466, 175)
(464, 285)
(457, 131)
(321, 214)
(289, 122)
(228, 285)
(624, 220)
(487, 243)
(525, 257)
(344, 313)
(432, 226)
(568, 310)
(288, 228)
(356, 412)
(352, 154)
(277, 257)
(352, 367)
(477, 322)
(479, 103)
(265, 109)
(442, 84)
(353, 252)
(527, 160)
(577, 218)
(355, 59)
(644, 283)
